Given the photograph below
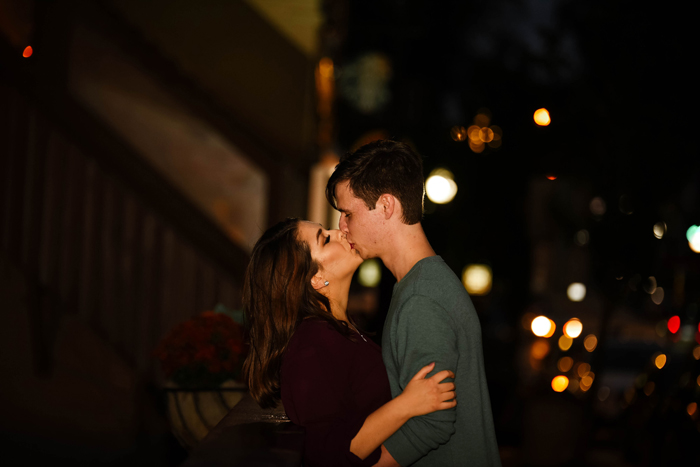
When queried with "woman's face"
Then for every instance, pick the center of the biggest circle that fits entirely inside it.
(331, 250)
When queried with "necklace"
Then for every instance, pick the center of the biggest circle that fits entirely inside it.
(353, 326)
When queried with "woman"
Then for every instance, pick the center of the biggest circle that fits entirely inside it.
(305, 350)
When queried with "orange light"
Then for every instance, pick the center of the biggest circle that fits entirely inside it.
(542, 117)
(590, 342)
(565, 343)
(551, 177)
(28, 51)
(565, 363)
(477, 148)
(692, 408)
(486, 134)
(583, 369)
(560, 383)
(552, 328)
(660, 361)
(458, 133)
(539, 349)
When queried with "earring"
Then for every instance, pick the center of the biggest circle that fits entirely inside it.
(325, 283)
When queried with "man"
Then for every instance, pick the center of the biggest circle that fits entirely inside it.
(379, 192)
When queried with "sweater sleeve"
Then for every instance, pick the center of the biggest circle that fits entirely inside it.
(321, 393)
(424, 334)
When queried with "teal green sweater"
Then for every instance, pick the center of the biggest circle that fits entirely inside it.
(432, 319)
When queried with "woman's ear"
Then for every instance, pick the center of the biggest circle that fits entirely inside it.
(317, 282)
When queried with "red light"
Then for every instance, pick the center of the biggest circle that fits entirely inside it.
(551, 177)
(674, 324)
(697, 337)
(28, 51)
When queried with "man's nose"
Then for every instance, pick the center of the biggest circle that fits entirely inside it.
(342, 224)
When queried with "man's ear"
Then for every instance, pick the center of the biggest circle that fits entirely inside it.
(317, 281)
(387, 205)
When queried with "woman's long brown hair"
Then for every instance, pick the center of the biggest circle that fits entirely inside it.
(277, 296)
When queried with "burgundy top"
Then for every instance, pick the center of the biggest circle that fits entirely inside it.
(330, 384)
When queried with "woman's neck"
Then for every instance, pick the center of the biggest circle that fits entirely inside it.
(337, 294)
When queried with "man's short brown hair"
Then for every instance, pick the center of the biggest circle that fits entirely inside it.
(379, 167)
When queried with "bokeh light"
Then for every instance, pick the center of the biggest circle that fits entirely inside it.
(28, 51)
(540, 349)
(659, 230)
(370, 273)
(477, 279)
(576, 292)
(625, 205)
(440, 186)
(565, 343)
(541, 326)
(542, 117)
(590, 342)
(565, 363)
(693, 235)
(692, 408)
(603, 393)
(551, 177)
(597, 206)
(649, 388)
(573, 328)
(650, 285)
(458, 133)
(674, 324)
(582, 237)
(696, 352)
(660, 360)
(658, 295)
(582, 369)
(560, 383)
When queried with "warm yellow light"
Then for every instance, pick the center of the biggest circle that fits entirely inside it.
(473, 133)
(370, 273)
(477, 279)
(552, 328)
(559, 383)
(440, 186)
(659, 230)
(542, 117)
(692, 408)
(696, 352)
(576, 292)
(565, 343)
(573, 328)
(583, 369)
(660, 361)
(694, 244)
(590, 342)
(539, 349)
(565, 363)
(541, 326)
(458, 133)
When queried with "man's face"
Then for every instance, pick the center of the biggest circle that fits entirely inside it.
(362, 225)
